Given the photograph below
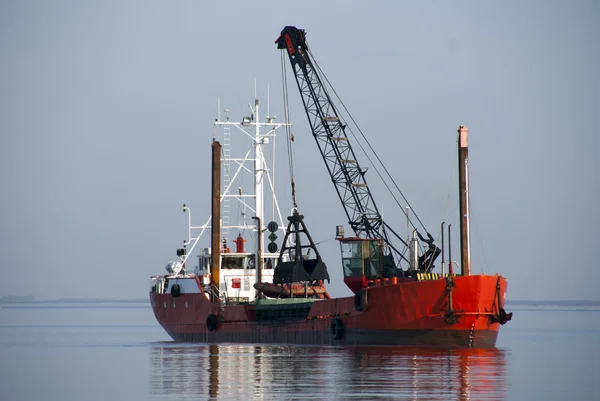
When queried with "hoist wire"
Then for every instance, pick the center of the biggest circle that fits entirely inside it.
(286, 113)
(479, 238)
(450, 184)
(372, 150)
(485, 267)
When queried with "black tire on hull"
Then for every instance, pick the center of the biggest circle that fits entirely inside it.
(211, 322)
(175, 290)
(337, 329)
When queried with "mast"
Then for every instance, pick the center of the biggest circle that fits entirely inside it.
(258, 190)
(253, 162)
(463, 174)
(215, 265)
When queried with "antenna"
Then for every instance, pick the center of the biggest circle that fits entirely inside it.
(243, 207)
(407, 223)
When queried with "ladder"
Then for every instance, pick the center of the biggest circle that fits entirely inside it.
(226, 180)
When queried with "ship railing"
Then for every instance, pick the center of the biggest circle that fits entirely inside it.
(214, 290)
(157, 284)
(434, 276)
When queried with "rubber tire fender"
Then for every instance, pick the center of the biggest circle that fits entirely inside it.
(211, 322)
(337, 329)
(175, 290)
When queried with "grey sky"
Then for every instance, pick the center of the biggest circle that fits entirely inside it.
(106, 108)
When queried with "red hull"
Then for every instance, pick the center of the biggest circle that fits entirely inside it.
(407, 313)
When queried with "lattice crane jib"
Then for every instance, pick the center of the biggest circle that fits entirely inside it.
(329, 132)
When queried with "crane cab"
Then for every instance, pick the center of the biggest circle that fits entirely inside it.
(365, 262)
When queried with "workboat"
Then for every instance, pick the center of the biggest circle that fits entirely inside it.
(241, 292)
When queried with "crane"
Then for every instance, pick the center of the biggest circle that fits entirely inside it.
(329, 131)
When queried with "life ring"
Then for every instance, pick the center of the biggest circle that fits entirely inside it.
(360, 303)
(175, 290)
(211, 322)
(337, 329)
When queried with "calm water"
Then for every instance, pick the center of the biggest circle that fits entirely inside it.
(108, 352)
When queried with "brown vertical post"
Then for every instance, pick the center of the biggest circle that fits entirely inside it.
(463, 177)
(215, 266)
(443, 246)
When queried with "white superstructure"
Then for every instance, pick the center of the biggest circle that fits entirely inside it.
(245, 145)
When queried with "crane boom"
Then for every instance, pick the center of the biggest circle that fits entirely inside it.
(346, 174)
(330, 133)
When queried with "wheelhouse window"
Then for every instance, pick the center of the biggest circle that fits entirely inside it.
(352, 258)
(228, 262)
(361, 257)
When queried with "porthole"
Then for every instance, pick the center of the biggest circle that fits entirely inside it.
(165, 304)
(186, 304)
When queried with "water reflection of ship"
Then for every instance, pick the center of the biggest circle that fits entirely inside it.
(268, 372)
(426, 373)
(200, 371)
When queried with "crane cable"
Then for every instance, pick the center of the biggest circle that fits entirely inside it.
(372, 150)
(450, 184)
(289, 135)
